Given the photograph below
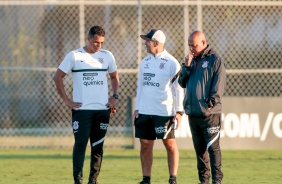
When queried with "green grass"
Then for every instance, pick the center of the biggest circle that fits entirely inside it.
(123, 167)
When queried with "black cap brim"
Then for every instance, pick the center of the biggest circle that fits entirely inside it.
(144, 37)
(149, 35)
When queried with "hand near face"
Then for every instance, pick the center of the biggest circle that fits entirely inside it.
(188, 59)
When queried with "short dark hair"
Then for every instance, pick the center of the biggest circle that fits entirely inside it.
(98, 30)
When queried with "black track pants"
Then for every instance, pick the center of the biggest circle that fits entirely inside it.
(89, 124)
(206, 134)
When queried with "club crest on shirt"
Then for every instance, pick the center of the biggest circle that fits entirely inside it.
(101, 60)
(162, 66)
(205, 64)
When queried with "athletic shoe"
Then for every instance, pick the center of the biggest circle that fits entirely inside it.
(77, 179)
(144, 182)
(94, 182)
(172, 181)
(78, 182)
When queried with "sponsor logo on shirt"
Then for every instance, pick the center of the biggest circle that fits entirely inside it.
(147, 80)
(146, 66)
(89, 79)
(103, 51)
(147, 59)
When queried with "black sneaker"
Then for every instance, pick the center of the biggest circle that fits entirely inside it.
(144, 182)
(172, 181)
(78, 180)
(94, 182)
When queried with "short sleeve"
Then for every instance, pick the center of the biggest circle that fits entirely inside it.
(68, 63)
(112, 63)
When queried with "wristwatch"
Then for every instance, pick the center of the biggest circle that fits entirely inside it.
(180, 112)
(115, 96)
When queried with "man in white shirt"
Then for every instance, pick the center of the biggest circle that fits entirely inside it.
(158, 104)
(90, 104)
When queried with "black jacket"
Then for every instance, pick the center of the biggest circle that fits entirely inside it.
(205, 83)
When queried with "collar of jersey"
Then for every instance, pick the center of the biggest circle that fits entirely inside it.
(161, 54)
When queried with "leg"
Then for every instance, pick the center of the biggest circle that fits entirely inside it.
(97, 136)
(164, 127)
(212, 134)
(172, 155)
(145, 131)
(172, 158)
(146, 155)
(200, 149)
(81, 127)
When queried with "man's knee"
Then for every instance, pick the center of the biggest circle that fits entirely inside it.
(146, 144)
(170, 144)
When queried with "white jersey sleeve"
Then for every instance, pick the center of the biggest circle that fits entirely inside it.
(112, 64)
(68, 63)
(139, 89)
(176, 88)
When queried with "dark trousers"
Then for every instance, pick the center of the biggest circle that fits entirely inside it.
(205, 135)
(89, 124)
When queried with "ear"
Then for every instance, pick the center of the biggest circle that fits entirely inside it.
(87, 39)
(156, 43)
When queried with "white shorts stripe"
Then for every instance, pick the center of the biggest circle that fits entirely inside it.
(167, 132)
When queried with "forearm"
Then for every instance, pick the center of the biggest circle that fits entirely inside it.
(61, 89)
(115, 85)
(58, 79)
(179, 96)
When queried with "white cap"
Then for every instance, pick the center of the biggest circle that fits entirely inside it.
(154, 35)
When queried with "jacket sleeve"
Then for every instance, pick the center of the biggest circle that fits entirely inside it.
(184, 75)
(218, 82)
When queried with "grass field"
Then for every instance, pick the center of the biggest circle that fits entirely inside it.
(123, 167)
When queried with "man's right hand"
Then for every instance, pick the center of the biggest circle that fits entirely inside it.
(73, 105)
(188, 59)
(134, 116)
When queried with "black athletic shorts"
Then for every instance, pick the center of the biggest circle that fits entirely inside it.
(153, 127)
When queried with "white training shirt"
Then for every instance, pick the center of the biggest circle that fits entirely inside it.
(156, 94)
(89, 76)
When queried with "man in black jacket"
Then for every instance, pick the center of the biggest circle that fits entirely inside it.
(204, 77)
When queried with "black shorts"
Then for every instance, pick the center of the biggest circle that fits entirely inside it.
(91, 124)
(153, 127)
